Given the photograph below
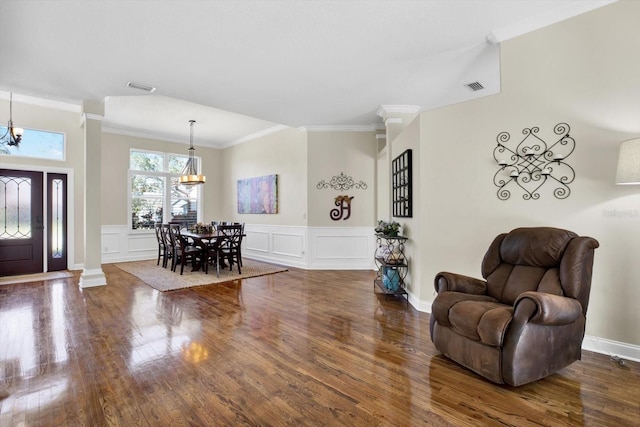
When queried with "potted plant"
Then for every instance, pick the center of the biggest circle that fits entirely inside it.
(388, 228)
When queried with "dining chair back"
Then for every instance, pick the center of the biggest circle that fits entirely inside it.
(230, 238)
(169, 249)
(183, 250)
(162, 248)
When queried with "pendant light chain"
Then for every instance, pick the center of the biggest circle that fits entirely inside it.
(190, 174)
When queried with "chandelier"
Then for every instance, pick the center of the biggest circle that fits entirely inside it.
(13, 135)
(190, 175)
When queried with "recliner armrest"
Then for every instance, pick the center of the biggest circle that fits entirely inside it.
(553, 310)
(445, 281)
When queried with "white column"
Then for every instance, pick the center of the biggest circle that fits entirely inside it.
(92, 274)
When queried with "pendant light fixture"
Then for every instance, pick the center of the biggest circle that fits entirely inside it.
(190, 174)
(13, 135)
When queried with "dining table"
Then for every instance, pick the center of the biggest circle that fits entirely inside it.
(207, 241)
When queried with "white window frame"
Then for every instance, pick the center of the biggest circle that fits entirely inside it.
(166, 205)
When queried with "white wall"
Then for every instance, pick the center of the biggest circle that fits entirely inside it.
(583, 71)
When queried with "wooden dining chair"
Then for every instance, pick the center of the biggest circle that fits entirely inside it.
(229, 239)
(183, 250)
(162, 248)
(240, 243)
(169, 250)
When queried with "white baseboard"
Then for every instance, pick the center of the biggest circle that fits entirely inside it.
(611, 348)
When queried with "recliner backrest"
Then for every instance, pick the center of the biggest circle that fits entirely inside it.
(528, 259)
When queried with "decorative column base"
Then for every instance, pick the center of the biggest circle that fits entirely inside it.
(92, 277)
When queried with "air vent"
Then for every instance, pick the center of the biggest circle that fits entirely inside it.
(475, 86)
(141, 87)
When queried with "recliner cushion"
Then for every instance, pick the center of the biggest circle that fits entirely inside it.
(539, 247)
(522, 279)
(446, 300)
(494, 324)
(481, 320)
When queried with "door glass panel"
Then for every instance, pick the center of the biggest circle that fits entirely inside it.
(15, 207)
(57, 218)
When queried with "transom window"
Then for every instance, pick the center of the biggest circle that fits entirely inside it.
(154, 193)
(36, 143)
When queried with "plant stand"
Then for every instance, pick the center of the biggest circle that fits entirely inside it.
(392, 267)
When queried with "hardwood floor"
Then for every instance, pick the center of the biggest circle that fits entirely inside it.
(294, 348)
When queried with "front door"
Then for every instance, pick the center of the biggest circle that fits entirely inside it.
(21, 222)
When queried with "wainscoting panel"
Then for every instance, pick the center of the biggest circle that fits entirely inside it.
(119, 245)
(341, 248)
(110, 242)
(318, 248)
(288, 244)
(142, 243)
(257, 242)
(278, 244)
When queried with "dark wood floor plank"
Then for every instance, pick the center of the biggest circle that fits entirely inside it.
(295, 348)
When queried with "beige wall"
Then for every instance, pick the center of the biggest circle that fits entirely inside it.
(409, 139)
(583, 71)
(42, 118)
(332, 153)
(283, 153)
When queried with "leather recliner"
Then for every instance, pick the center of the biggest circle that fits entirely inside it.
(526, 320)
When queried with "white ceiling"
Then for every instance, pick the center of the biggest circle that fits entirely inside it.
(243, 68)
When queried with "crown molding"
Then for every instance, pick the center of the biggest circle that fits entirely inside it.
(143, 135)
(392, 121)
(340, 128)
(41, 102)
(387, 110)
(255, 135)
(92, 116)
(181, 140)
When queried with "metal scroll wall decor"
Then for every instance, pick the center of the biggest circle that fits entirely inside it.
(534, 163)
(343, 210)
(341, 182)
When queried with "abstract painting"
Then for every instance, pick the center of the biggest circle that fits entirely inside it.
(258, 195)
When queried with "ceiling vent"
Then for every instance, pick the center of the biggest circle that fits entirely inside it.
(141, 87)
(475, 86)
